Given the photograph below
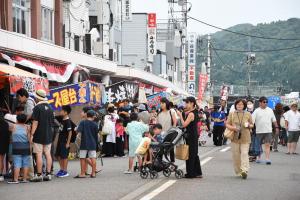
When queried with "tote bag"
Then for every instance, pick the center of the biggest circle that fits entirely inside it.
(108, 126)
(182, 152)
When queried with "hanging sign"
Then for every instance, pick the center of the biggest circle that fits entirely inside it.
(76, 94)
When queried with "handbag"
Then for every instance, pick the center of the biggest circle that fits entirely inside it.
(182, 152)
(229, 134)
(255, 146)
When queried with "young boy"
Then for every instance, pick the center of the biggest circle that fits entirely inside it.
(64, 139)
(157, 129)
(88, 130)
(20, 148)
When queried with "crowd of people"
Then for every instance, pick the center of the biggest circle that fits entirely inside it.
(28, 143)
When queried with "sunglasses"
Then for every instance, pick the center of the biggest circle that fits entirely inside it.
(264, 101)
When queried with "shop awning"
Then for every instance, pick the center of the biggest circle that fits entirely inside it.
(6, 70)
(19, 78)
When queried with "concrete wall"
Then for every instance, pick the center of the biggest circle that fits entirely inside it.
(76, 21)
(134, 41)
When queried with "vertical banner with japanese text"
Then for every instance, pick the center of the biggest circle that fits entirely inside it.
(192, 37)
(151, 35)
(126, 7)
(203, 78)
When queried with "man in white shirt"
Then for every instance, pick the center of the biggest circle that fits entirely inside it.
(292, 122)
(263, 117)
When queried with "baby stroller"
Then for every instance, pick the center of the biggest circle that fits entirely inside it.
(161, 161)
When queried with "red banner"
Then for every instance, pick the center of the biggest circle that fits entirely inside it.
(30, 84)
(152, 20)
(202, 85)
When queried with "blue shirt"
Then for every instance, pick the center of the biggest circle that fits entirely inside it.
(89, 135)
(220, 115)
(20, 143)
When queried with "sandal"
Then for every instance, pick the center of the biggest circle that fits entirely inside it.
(91, 176)
(295, 153)
(98, 171)
(78, 176)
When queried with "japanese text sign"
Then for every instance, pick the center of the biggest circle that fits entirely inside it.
(76, 94)
(121, 91)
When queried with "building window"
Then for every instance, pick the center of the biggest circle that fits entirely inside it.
(76, 42)
(21, 15)
(47, 24)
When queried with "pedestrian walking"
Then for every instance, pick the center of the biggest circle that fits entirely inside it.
(218, 117)
(42, 134)
(278, 112)
(263, 117)
(189, 120)
(88, 130)
(240, 121)
(292, 119)
(135, 130)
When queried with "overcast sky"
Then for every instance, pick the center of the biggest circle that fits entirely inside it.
(225, 13)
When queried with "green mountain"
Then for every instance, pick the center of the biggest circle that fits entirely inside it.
(280, 68)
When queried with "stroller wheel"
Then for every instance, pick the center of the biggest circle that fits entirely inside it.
(153, 175)
(178, 173)
(144, 174)
(167, 172)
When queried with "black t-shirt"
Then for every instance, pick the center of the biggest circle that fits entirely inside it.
(44, 115)
(64, 129)
(89, 135)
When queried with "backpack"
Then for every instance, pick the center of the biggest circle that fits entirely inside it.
(74, 133)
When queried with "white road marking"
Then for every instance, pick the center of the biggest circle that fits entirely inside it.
(225, 149)
(166, 185)
(158, 190)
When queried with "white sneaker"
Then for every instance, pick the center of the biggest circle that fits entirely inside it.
(37, 178)
(47, 177)
(1, 178)
(128, 172)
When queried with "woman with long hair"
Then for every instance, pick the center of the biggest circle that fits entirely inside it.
(189, 120)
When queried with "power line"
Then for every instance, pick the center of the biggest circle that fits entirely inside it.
(222, 62)
(266, 50)
(243, 34)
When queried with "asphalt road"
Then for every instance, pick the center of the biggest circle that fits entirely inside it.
(281, 180)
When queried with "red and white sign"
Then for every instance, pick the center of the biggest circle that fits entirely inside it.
(203, 78)
(224, 92)
(152, 20)
(191, 73)
(151, 35)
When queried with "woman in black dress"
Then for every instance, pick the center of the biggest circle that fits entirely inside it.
(189, 120)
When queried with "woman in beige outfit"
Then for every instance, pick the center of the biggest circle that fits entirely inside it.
(240, 121)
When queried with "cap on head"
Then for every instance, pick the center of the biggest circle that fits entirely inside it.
(41, 95)
(142, 107)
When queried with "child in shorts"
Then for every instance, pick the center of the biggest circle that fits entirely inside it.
(20, 149)
(63, 143)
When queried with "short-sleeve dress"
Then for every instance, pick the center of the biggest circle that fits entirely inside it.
(135, 130)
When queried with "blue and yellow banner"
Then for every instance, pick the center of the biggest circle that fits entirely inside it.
(76, 94)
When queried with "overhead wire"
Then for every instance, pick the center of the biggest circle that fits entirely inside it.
(243, 34)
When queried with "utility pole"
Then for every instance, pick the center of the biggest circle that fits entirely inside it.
(208, 68)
